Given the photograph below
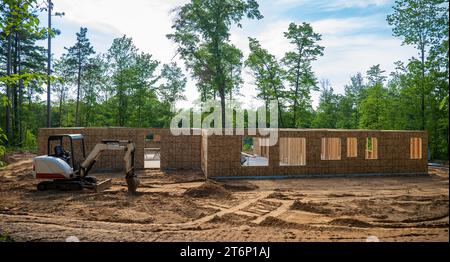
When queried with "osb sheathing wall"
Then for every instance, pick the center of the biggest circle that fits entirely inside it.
(223, 158)
(176, 151)
(220, 155)
(180, 152)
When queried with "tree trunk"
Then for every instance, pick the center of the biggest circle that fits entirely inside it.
(61, 98)
(19, 104)
(8, 90)
(279, 112)
(377, 113)
(297, 83)
(14, 93)
(422, 51)
(121, 101)
(78, 92)
(139, 110)
(222, 103)
(220, 80)
(279, 107)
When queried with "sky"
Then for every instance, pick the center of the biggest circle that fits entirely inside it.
(355, 34)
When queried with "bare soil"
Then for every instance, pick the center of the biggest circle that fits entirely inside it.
(182, 206)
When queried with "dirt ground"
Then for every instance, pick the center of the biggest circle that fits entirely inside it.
(181, 206)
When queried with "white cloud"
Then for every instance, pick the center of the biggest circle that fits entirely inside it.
(147, 22)
(340, 4)
(351, 43)
(348, 48)
(340, 26)
(330, 5)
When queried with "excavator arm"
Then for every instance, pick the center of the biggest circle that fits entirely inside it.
(114, 145)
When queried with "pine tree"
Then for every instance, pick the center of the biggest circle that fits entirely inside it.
(298, 64)
(268, 76)
(78, 59)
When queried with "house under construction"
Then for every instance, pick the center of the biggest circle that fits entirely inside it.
(298, 151)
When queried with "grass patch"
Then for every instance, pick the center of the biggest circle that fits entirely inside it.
(5, 238)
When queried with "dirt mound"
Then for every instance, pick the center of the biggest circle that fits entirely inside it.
(209, 189)
(240, 186)
(438, 171)
(271, 221)
(310, 207)
(14, 157)
(341, 195)
(21, 170)
(232, 219)
(279, 195)
(350, 222)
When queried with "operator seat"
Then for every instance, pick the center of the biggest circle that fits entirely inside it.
(61, 153)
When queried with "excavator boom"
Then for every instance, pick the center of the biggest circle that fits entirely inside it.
(114, 145)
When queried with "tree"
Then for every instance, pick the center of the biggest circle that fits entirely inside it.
(121, 58)
(327, 111)
(95, 79)
(2, 146)
(142, 84)
(372, 108)
(419, 23)
(354, 93)
(171, 89)
(78, 59)
(63, 72)
(268, 75)
(345, 115)
(20, 30)
(174, 84)
(232, 69)
(202, 28)
(298, 63)
(133, 79)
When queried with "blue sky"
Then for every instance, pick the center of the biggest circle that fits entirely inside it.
(355, 33)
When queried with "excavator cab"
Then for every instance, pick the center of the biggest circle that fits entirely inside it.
(69, 147)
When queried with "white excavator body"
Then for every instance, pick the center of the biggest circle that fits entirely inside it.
(50, 167)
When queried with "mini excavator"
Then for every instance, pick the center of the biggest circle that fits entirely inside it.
(64, 170)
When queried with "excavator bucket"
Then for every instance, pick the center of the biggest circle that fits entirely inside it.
(132, 183)
(100, 186)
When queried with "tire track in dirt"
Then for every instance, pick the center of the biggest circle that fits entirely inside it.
(285, 205)
(61, 221)
(243, 205)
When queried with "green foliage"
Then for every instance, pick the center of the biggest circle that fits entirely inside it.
(5, 238)
(423, 24)
(78, 58)
(268, 76)
(30, 141)
(369, 144)
(202, 30)
(3, 139)
(149, 136)
(247, 143)
(372, 107)
(299, 72)
(133, 79)
(124, 87)
(171, 90)
(419, 22)
(327, 111)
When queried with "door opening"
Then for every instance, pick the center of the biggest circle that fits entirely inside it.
(152, 158)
